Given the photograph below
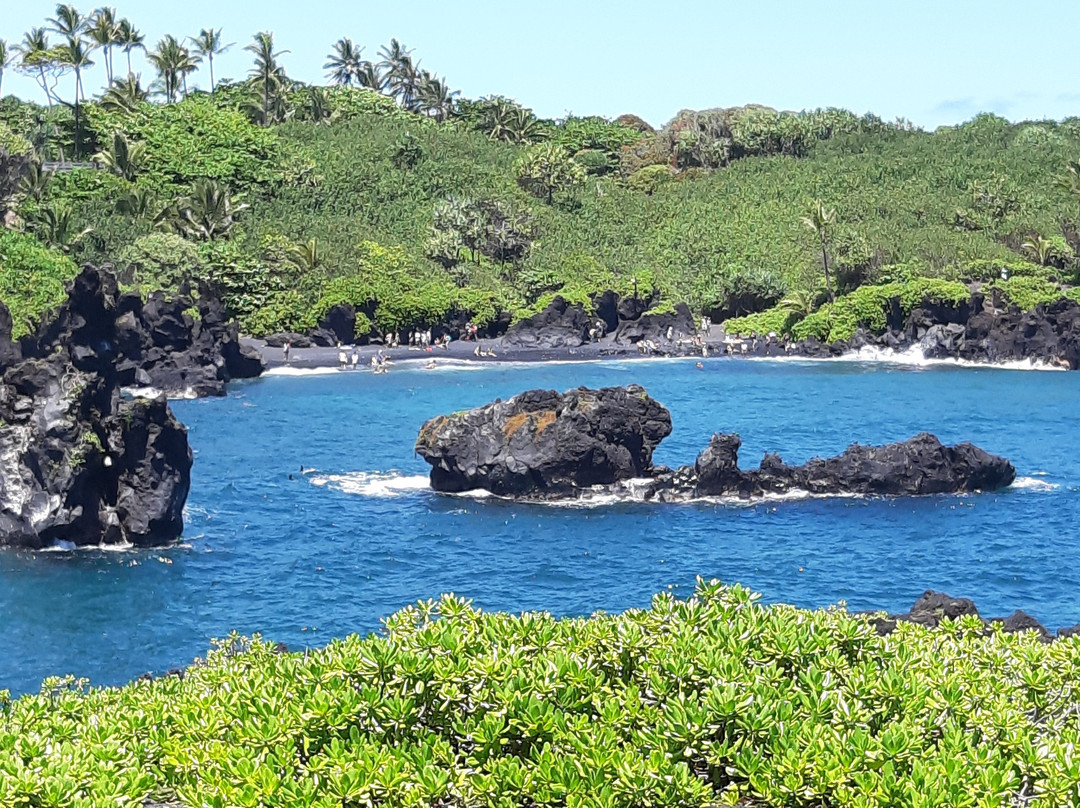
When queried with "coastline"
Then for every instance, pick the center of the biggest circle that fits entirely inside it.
(317, 360)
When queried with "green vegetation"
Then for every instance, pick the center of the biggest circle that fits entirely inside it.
(32, 278)
(714, 700)
(494, 209)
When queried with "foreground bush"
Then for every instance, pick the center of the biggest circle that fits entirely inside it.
(707, 701)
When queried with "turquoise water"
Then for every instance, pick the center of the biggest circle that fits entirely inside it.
(306, 559)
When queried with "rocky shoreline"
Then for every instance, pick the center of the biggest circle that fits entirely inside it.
(542, 445)
(982, 331)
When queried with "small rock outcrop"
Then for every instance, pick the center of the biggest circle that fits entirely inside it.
(933, 607)
(656, 327)
(559, 325)
(914, 467)
(180, 346)
(79, 464)
(545, 445)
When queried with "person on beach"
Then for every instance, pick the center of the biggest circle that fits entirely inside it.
(285, 350)
(430, 365)
(342, 358)
(355, 357)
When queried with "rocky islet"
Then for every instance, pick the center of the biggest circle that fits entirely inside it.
(545, 445)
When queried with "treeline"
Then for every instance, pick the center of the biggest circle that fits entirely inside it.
(387, 190)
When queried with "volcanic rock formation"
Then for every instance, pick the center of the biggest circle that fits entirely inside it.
(174, 344)
(545, 445)
(79, 463)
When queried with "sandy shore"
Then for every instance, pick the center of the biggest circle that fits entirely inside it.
(461, 351)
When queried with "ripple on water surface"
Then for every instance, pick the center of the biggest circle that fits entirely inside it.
(303, 557)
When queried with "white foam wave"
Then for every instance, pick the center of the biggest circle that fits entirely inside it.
(911, 358)
(1033, 484)
(294, 371)
(385, 485)
(64, 546)
(373, 483)
(187, 394)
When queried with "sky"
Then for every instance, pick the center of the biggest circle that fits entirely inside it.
(933, 62)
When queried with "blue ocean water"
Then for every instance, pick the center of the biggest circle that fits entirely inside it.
(306, 558)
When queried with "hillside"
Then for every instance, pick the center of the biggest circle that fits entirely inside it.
(411, 218)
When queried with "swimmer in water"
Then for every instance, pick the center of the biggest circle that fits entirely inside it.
(699, 366)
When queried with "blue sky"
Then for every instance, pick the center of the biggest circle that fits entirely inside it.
(931, 62)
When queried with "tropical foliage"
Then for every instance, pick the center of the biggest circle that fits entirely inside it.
(733, 211)
(713, 700)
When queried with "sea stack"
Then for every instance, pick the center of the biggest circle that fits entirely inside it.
(544, 445)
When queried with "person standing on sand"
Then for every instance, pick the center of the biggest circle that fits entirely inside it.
(342, 358)
(355, 357)
(285, 350)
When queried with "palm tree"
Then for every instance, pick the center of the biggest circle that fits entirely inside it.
(208, 212)
(104, 32)
(305, 257)
(318, 108)
(267, 74)
(371, 76)
(55, 227)
(1041, 249)
(139, 203)
(122, 157)
(35, 182)
(400, 72)
(434, 97)
(75, 54)
(36, 59)
(125, 95)
(129, 38)
(207, 46)
(818, 221)
(799, 302)
(173, 62)
(343, 64)
(6, 58)
(69, 22)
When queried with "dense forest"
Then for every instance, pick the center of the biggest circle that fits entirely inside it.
(386, 189)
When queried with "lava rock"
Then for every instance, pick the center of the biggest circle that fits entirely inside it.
(295, 340)
(175, 344)
(934, 607)
(543, 444)
(80, 464)
(656, 327)
(9, 350)
(339, 323)
(559, 325)
(976, 330)
(918, 466)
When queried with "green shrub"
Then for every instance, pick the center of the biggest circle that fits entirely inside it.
(1027, 292)
(592, 133)
(710, 701)
(32, 279)
(777, 320)
(651, 179)
(12, 143)
(160, 261)
(869, 307)
(594, 161)
(199, 139)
